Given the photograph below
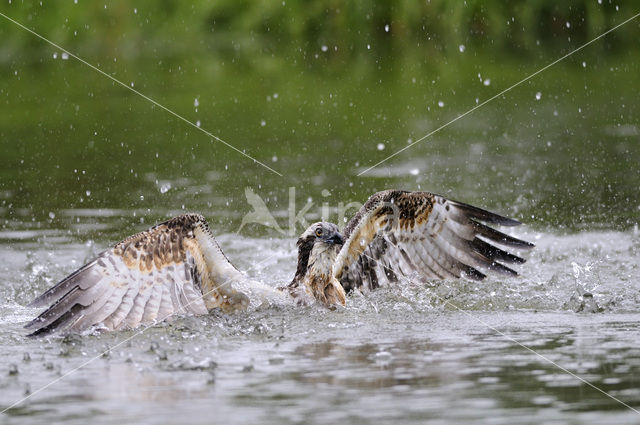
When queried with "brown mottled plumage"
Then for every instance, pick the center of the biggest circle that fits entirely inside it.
(177, 266)
(317, 250)
(410, 234)
(400, 233)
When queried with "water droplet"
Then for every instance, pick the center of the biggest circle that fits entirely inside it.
(55, 55)
(440, 103)
(198, 123)
(568, 24)
(461, 48)
(538, 96)
(88, 192)
(52, 215)
(584, 64)
(414, 172)
(196, 103)
(65, 56)
(165, 187)
(380, 146)
(324, 48)
(274, 158)
(368, 46)
(487, 82)
(263, 123)
(386, 28)
(142, 197)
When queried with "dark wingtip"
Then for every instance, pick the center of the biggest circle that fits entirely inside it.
(501, 268)
(33, 324)
(36, 302)
(499, 237)
(494, 253)
(486, 216)
(57, 326)
(526, 244)
(473, 273)
(39, 332)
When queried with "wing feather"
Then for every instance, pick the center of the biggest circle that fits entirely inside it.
(166, 306)
(175, 267)
(99, 309)
(498, 237)
(421, 233)
(152, 306)
(123, 310)
(134, 317)
(84, 277)
(430, 268)
(450, 242)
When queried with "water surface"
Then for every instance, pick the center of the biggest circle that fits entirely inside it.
(86, 163)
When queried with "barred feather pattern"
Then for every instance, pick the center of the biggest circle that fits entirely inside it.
(174, 268)
(401, 234)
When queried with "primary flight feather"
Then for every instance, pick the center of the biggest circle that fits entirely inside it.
(177, 267)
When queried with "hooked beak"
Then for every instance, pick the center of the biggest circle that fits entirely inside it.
(336, 239)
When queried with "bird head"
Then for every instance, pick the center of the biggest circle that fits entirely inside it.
(318, 248)
(322, 233)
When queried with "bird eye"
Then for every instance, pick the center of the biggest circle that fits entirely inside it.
(319, 232)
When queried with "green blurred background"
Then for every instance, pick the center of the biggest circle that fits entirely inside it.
(319, 91)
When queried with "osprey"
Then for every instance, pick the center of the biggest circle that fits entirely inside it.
(177, 267)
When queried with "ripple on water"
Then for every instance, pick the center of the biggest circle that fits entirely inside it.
(433, 349)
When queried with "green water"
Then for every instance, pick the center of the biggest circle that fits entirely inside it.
(567, 159)
(86, 162)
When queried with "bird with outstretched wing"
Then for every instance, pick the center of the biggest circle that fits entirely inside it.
(178, 268)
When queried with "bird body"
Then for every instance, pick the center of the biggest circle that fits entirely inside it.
(177, 267)
(317, 251)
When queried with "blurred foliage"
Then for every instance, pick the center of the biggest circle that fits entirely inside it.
(320, 91)
(340, 33)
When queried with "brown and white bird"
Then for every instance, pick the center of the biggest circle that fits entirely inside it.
(177, 267)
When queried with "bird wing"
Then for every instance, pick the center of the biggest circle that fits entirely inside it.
(175, 267)
(420, 233)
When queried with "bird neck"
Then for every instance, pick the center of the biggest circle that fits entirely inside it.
(315, 274)
(315, 260)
